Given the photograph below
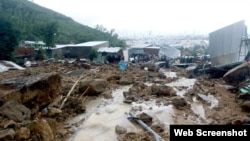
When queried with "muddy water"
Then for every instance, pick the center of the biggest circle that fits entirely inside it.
(101, 121)
(103, 115)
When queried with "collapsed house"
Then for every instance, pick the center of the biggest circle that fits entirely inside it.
(228, 48)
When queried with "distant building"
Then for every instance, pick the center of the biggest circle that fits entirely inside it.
(81, 50)
(27, 49)
(34, 44)
(169, 52)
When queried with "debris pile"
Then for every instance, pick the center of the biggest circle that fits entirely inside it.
(37, 103)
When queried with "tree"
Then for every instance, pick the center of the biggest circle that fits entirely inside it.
(48, 32)
(8, 40)
(93, 54)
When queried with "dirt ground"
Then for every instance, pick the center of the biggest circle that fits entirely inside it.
(226, 110)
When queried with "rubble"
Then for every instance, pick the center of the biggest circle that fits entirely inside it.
(237, 74)
(31, 99)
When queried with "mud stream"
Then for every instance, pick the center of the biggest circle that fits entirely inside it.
(102, 115)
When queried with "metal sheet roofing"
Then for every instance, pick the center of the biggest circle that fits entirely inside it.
(92, 43)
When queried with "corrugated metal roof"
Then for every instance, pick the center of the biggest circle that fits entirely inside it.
(9, 65)
(109, 49)
(62, 46)
(87, 44)
(92, 43)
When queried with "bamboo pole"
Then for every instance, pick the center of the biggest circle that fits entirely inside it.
(71, 90)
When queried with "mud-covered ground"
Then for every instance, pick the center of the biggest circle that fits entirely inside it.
(199, 100)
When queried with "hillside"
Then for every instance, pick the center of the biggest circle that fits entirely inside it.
(28, 17)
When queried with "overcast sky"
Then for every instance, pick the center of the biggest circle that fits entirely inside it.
(154, 16)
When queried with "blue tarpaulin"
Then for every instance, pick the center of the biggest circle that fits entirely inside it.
(122, 65)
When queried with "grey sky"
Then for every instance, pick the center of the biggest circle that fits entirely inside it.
(156, 16)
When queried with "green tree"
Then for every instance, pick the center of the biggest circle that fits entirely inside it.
(48, 32)
(8, 40)
(93, 54)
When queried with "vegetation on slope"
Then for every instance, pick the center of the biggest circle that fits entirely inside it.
(28, 18)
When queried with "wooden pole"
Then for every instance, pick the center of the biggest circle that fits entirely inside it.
(72, 88)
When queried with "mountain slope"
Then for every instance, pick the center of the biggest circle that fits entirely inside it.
(27, 17)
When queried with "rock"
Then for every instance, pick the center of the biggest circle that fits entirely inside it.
(15, 111)
(162, 90)
(23, 134)
(33, 91)
(120, 130)
(179, 102)
(93, 86)
(41, 130)
(7, 135)
(54, 112)
(126, 80)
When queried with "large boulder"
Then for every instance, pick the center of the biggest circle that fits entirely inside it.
(92, 86)
(34, 91)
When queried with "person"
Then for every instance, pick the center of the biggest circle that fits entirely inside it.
(167, 63)
(122, 64)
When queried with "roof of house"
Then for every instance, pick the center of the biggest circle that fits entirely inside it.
(85, 44)
(92, 43)
(62, 46)
(109, 49)
(34, 42)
